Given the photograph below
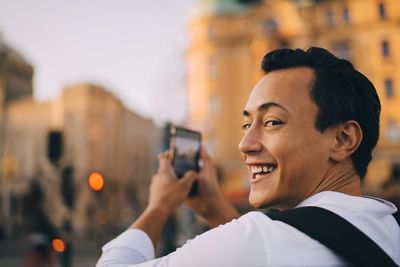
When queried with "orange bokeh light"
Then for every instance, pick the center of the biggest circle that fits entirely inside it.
(58, 245)
(96, 181)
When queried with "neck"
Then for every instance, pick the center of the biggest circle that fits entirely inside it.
(340, 178)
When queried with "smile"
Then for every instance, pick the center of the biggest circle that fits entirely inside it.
(261, 170)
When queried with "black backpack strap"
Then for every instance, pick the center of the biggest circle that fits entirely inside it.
(337, 234)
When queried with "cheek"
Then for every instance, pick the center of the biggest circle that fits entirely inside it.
(286, 151)
(296, 156)
(302, 162)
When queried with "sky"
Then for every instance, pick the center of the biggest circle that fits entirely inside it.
(134, 48)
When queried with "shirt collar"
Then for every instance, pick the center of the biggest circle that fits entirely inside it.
(365, 202)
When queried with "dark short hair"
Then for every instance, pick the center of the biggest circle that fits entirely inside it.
(340, 92)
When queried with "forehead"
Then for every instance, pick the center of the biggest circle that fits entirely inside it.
(287, 87)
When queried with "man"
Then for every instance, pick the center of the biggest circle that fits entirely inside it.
(310, 125)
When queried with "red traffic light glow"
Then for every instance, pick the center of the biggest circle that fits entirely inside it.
(58, 245)
(96, 181)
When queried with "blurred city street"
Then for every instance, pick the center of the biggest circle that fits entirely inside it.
(85, 253)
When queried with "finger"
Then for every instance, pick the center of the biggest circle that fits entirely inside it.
(164, 161)
(204, 154)
(188, 179)
(163, 154)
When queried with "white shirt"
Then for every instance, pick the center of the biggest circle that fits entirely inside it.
(256, 240)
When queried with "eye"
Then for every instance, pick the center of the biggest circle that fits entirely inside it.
(246, 126)
(270, 123)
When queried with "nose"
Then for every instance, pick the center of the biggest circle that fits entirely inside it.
(250, 143)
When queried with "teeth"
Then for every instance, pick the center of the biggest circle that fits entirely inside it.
(255, 169)
(271, 169)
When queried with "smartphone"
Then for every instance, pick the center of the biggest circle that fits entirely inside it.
(185, 147)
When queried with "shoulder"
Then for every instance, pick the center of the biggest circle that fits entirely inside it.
(236, 243)
(267, 241)
(366, 213)
(245, 227)
(373, 216)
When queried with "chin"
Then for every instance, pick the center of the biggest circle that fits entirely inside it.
(257, 200)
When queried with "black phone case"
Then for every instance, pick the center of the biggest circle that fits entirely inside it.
(173, 133)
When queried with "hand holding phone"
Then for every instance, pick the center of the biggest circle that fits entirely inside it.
(185, 147)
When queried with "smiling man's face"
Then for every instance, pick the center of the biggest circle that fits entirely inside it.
(286, 156)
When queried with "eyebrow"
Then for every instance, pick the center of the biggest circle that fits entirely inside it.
(264, 107)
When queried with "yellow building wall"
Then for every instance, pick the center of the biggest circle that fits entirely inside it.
(221, 72)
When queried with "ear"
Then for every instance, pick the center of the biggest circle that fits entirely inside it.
(348, 139)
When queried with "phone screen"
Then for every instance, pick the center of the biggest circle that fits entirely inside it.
(186, 150)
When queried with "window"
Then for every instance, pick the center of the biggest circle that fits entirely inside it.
(346, 15)
(329, 17)
(214, 104)
(270, 26)
(210, 31)
(212, 66)
(382, 10)
(341, 50)
(385, 48)
(389, 91)
(392, 133)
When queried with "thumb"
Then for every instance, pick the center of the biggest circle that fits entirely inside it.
(164, 161)
(188, 179)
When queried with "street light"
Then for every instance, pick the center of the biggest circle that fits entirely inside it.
(96, 181)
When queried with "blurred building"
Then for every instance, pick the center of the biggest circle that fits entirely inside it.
(85, 130)
(229, 39)
(15, 74)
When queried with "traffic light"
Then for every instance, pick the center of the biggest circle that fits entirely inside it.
(96, 181)
(54, 146)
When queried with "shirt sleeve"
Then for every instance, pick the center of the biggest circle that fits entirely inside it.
(226, 245)
(131, 247)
